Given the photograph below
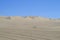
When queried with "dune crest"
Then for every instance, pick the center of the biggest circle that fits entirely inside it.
(25, 17)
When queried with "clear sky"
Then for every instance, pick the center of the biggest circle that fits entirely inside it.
(44, 8)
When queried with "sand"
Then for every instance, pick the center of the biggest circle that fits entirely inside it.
(19, 28)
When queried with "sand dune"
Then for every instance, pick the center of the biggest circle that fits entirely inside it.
(29, 28)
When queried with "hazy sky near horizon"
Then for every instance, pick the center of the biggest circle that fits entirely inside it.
(44, 8)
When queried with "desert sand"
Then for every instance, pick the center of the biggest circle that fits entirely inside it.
(29, 28)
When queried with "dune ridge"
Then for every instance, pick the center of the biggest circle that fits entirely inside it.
(26, 17)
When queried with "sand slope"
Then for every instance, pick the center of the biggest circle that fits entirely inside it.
(29, 28)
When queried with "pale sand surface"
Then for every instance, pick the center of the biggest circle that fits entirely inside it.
(24, 29)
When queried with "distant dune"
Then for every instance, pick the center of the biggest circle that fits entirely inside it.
(31, 20)
(29, 28)
(28, 18)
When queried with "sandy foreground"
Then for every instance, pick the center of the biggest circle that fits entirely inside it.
(18, 28)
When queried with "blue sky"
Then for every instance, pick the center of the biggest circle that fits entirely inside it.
(43, 8)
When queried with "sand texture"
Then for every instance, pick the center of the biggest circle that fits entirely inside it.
(29, 28)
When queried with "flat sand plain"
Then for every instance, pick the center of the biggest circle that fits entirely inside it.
(18, 28)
